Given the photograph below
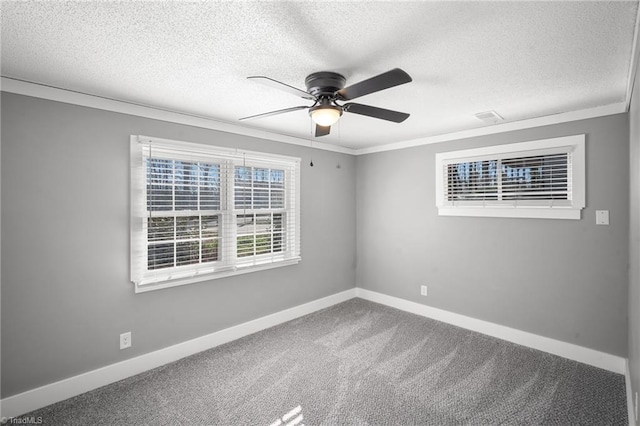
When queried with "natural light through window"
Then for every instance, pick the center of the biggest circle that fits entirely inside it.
(202, 212)
(537, 179)
(292, 418)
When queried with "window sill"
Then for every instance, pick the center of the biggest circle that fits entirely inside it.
(513, 212)
(150, 286)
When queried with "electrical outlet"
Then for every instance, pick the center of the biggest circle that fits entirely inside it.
(125, 340)
(423, 290)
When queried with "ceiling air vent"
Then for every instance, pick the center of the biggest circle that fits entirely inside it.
(489, 117)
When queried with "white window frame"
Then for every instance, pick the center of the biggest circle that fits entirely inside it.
(228, 263)
(573, 145)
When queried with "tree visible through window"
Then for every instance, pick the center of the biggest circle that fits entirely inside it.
(542, 179)
(175, 191)
(201, 211)
(260, 193)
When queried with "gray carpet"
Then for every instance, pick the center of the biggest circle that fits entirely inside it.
(357, 363)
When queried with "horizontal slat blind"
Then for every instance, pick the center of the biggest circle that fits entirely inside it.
(183, 210)
(199, 210)
(542, 178)
(517, 179)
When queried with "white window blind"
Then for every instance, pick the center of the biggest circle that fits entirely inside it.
(201, 212)
(542, 179)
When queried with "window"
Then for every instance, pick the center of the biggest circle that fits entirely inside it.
(537, 179)
(201, 212)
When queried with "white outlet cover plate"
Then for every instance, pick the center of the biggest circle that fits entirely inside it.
(602, 217)
(125, 340)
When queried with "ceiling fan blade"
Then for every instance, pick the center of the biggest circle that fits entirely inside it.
(322, 130)
(392, 78)
(269, 114)
(282, 86)
(375, 112)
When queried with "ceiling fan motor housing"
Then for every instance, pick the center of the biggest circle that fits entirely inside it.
(324, 83)
(326, 88)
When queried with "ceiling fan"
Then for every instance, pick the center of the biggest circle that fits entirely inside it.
(326, 89)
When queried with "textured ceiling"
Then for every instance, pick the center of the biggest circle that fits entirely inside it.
(521, 59)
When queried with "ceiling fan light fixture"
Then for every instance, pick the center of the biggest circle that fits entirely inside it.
(326, 88)
(325, 115)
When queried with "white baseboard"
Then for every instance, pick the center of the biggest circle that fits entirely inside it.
(588, 356)
(67, 388)
(631, 412)
(49, 394)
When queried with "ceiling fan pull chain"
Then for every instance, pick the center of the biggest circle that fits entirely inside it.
(311, 126)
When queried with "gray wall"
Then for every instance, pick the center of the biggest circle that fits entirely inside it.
(634, 237)
(563, 279)
(66, 294)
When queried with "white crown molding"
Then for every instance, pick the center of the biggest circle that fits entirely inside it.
(547, 120)
(30, 400)
(76, 98)
(581, 354)
(633, 65)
